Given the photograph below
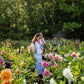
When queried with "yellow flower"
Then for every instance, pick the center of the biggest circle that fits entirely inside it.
(64, 46)
(6, 75)
(77, 67)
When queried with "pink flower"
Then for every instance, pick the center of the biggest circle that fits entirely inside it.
(74, 54)
(55, 64)
(47, 73)
(0, 57)
(58, 57)
(51, 57)
(45, 64)
(2, 52)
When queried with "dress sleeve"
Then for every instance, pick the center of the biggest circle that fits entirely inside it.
(38, 48)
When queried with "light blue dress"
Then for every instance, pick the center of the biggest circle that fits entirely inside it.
(38, 57)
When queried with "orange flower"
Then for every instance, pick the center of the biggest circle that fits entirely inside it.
(23, 64)
(76, 42)
(10, 56)
(22, 48)
(6, 75)
(6, 82)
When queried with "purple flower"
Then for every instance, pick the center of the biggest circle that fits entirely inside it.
(11, 70)
(10, 63)
(4, 65)
(2, 61)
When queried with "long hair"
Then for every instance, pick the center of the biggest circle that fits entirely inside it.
(35, 37)
(41, 34)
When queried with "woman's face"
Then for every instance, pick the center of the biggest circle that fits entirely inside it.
(38, 38)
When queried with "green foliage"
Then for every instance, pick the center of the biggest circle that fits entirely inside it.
(71, 26)
(21, 19)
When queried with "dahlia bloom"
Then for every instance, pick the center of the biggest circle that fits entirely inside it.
(9, 44)
(10, 63)
(58, 57)
(1, 61)
(74, 54)
(55, 64)
(45, 64)
(23, 64)
(47, 73)
(52, 81)
(22, 48)
(6, 82)
(2, 52)
(6, 75)
(51, 57)
(67, 74)
(24, 81)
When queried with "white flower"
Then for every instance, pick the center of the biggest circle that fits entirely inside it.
(67, 73)
(18, 50)
(78, 54)
(24, 81)
(69, 63)
(52, 81)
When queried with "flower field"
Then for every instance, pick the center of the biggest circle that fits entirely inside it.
(64, 62)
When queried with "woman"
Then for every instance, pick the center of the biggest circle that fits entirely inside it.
(38, 53)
